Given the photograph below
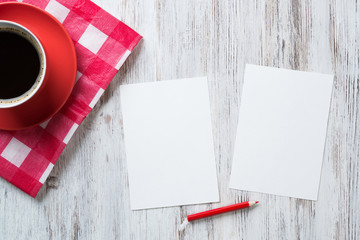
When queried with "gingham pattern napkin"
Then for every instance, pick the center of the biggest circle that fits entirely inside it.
(102, 44)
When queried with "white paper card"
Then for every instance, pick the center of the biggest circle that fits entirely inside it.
(169, 143)
(281, 132)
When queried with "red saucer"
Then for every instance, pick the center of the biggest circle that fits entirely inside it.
(60, 72)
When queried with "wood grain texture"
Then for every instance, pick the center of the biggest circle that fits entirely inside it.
(87, 194)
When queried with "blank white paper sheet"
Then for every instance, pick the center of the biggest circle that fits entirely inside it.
(281, 132)
(169, 143)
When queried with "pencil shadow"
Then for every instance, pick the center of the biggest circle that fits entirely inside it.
(71, 150)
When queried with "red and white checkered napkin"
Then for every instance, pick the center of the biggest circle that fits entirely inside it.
(102, 45)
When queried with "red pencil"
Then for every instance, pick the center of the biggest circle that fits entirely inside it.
(216, 211)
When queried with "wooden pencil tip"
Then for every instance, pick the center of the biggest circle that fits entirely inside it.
(256, 201)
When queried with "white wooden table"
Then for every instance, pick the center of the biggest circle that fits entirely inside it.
(87, 194)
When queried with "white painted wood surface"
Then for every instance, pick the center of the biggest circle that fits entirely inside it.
(87, 195)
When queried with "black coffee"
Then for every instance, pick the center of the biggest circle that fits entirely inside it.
(19, 65)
